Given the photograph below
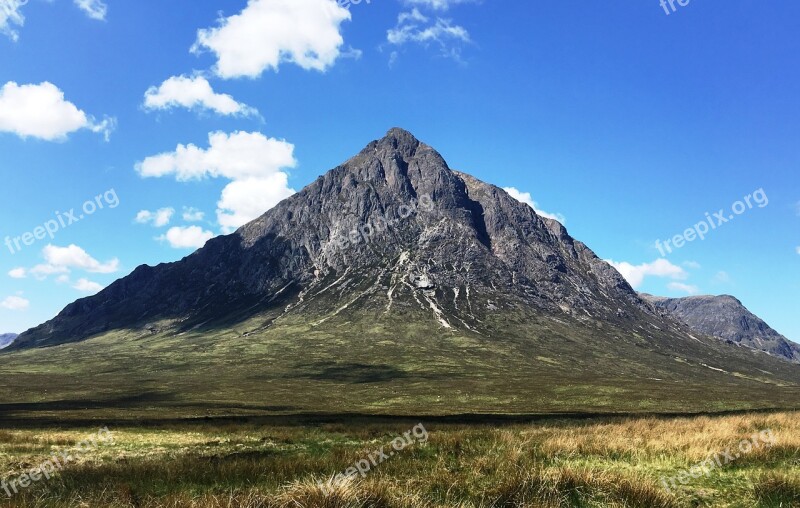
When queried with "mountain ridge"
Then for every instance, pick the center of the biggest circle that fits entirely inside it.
(726, 318)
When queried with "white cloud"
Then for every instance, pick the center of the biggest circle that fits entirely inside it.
(635, 274)
(158, 218)
(694, 265)
(253, 162)
(192, 214)
(15, 303)
(407, 31)
(351, 52)
(95, 9)
(268, 33)
(236, 156)
(17, 273)
(525, 197)
(10, 15)
(437, 32)
(245, 200)
(60, 259)
(438, 5)
(189, 237)
(683, 288)
(413, 15)
(40, 111)
(87, 286)
(415, 27)
(797, 250)
(193, 93)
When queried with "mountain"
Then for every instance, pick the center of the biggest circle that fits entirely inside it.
(476, 249)
(726, 318)
(6, 339)
(392, 283)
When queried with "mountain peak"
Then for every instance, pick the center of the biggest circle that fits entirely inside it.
(401, 135)
(396, 141)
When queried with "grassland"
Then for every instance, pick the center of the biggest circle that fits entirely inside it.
(363, 366)
(166, 396)
(611, 462)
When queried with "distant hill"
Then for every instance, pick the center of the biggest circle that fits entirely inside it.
(6, 339)
(726, 318)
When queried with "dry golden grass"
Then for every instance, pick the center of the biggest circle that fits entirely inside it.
(648, 438)
(557, 464)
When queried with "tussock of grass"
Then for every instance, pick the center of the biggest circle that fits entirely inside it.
(778, 490)
(573, 487)
(347, 494)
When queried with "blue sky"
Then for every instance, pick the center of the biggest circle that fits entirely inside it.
(625, 121)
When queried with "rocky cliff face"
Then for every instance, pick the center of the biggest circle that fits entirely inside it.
(399, 225)
(726, 318)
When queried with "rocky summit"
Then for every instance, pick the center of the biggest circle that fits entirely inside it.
(388, 281)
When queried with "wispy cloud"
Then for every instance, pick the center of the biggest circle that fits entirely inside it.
(192, 214)
(683, 288)
(95, 9)
(417, 28)
(440, 31)
(87, 286)
(15, 303)
(438, 5)
(17, 273)
(722, 277)
(158, 218)
(11, 17)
